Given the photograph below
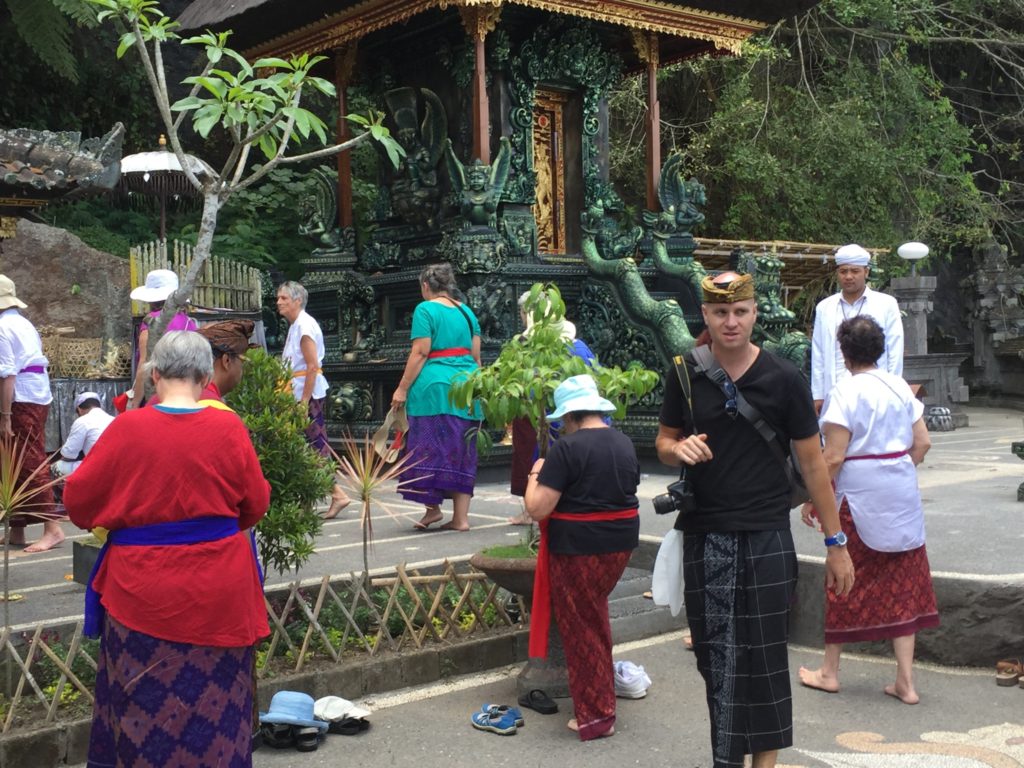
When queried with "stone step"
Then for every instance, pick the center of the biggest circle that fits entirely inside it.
(635, 617)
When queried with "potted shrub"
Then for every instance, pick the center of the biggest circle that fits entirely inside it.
(521, 383)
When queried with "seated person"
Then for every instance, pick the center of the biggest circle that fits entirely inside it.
(85, 431)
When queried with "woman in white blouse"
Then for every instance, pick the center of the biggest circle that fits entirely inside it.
(304, 352)
(874, 437)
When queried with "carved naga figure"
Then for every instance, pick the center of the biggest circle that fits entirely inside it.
(479, 186)
(415, 194)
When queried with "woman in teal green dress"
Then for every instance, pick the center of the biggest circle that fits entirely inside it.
(445, 344)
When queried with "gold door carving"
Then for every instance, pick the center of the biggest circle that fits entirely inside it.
(549, 165)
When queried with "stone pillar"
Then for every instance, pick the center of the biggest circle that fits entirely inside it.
(914, 295)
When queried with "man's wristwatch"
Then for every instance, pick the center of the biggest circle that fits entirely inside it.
(839, 540)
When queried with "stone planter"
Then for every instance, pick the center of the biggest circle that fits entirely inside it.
(83, 557)
(516, 575)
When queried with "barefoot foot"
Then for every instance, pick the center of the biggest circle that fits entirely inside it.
(450, 526)
(575, 728)
(815, 678)
(46, 542)
(433, 515)
(907, 696)
(339, 500)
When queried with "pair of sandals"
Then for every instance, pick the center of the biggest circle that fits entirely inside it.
(284, 736)
(498, 718)
(1009, 673)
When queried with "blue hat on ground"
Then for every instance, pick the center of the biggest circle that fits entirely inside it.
(579, 393)
(292, 708)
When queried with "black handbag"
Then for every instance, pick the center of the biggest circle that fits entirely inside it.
(706, 364)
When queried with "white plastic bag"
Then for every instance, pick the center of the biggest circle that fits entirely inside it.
(667, 580)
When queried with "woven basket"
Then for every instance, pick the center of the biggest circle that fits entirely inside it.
(122, 368)
(51, 348)
(77, 356)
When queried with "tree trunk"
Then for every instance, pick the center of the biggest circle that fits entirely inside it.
(212, 202)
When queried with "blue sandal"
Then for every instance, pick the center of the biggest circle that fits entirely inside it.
(500, 709)
(503, 723)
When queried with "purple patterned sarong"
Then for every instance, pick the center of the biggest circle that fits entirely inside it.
(447, 460)
(316, 432)
(160, 703)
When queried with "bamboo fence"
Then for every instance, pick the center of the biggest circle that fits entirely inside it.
(49, 670)
(223, 284)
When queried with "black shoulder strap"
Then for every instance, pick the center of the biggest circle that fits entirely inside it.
(684, 382)
(465, 314)
(710, 367)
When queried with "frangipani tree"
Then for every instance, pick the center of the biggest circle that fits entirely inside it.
(257, 105)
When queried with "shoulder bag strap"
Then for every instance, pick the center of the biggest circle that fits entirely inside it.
(684, 382)
(710, 367)
(465, 314)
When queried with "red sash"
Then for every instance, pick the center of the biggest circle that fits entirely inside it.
(896, 455)
(451, 352)
(540, 613)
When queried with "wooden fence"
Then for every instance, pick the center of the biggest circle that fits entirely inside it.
(223, 284)
(47, 672)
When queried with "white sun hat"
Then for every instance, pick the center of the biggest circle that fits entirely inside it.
(160, 283)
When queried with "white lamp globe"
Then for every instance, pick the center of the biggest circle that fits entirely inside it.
(912, 251)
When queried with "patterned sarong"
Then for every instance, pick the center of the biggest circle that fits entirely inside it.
(28, 421)
(580, 585)
(446, 459)
(892, 597)
(738, 589)
(316, 432)
(160, 703)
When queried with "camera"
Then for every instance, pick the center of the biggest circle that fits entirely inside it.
(679, 498)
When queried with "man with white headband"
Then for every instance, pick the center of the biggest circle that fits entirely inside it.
(853, 299)
(85, 431)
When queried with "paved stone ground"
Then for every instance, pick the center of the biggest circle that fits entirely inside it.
(963, 721)
(968, 481)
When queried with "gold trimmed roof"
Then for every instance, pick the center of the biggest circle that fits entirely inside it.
(335, 29)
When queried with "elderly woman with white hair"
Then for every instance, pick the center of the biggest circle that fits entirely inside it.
(177, 594)
(304, 351)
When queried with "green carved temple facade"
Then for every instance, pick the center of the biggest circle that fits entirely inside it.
(501, 107)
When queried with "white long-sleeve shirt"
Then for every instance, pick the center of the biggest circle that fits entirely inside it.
(827, 365)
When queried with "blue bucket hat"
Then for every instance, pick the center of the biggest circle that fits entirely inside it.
(579, 393)
(292, 708)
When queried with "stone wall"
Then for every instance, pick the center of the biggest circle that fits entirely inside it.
(67, 283)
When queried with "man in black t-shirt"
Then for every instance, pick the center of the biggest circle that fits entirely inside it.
(739, 563)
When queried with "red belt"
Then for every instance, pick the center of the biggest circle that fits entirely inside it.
(896, 455)
(540, 613)
(452, 352)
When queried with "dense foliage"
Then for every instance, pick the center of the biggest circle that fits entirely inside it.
(869, 120)
(298, 476)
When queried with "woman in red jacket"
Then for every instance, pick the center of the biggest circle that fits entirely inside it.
(177, 593)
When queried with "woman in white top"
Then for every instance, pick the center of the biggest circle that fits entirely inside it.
(304, 352)
(874, 438)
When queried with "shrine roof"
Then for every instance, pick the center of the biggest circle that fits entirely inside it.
(279, 27)
(39, 166)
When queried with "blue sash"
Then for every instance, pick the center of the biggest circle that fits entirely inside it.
(193, 531)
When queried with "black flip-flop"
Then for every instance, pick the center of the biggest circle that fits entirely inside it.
(349, 726)
(307, 739)
(538, 701)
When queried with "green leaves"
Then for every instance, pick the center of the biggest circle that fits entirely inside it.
(521, 382)
(298, 476)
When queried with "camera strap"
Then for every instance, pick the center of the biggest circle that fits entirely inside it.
(710, 367)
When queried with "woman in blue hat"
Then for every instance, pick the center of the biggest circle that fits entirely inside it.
(584, 496)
